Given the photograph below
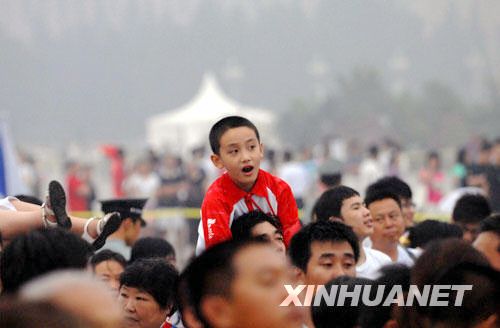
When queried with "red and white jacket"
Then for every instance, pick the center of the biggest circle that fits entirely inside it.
(225, 201)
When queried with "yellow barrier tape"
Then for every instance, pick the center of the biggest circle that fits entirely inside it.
(193, 213)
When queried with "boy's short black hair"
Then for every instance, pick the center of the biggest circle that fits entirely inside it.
(392, 184)
(374, 195)
(329, 204)
(41, 251)
(211, 273)
(471, 208)
(154, 276)
(150, 247)
(229, 122)
(107, 255)
(320, 231)
(491, 223)
(241, 228)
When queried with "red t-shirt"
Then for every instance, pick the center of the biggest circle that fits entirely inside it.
(225, 201)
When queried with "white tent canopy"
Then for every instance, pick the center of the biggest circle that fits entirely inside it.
(187, 127)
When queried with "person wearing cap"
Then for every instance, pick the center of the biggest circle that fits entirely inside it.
(124, 238)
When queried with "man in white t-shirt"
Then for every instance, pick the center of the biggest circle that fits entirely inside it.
(344, 204)
(389, 225)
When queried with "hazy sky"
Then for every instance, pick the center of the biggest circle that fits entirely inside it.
(94, 70)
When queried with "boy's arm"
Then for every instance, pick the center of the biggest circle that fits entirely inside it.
(215, 222)
(288, 214)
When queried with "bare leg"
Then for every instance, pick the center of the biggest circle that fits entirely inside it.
(53, 213)
(25, 207)
(29, 217)
(13, 223)
(79, 225)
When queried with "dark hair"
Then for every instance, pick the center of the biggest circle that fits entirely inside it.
(16, 313)
(242, 226)
(150, 247)
(107, 255)
(391, 275)
(479, 303)
(373, 150)
(320, 231)
(426, 231)
(392, 184)
(211, 273)
(184, 304)
(461, 156)
(485, 145)
(29, 199)
(433, 155)
(154, 276)
(41, 251)
(491, 223)
(330, 202)
(471, 208)
(325, 316)
(330, 179)
(287, 156)
(374, 195)
(482, 301)
(229, 122)
(440, 255)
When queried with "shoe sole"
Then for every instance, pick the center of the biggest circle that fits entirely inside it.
(57, 198)
(111, 226)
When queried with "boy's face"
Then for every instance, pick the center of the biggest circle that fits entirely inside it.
(355, 214)
(240, 154)
(257, 291)
(388, 221)
(328, 261)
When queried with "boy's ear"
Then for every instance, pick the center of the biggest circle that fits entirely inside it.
(217, 161)
(261, 150)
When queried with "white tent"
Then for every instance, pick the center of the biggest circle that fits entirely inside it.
(187, 127)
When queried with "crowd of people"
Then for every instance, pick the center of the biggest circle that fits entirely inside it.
(257, 264)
